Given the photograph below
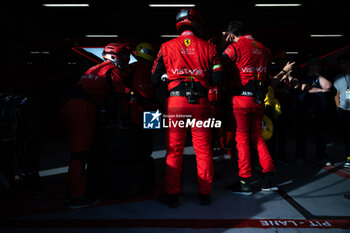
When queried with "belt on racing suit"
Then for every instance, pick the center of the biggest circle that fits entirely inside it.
(254, 88)
(189, 88)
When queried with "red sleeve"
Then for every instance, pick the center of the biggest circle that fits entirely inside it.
(158, 68)
(156, 61)
(269, 58)
(216, 62)
(217, 71)
(118, 81)
(231, 52)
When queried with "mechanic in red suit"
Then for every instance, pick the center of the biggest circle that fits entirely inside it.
(79, 114)
(192, 66)
(251, 61)
(143, 91)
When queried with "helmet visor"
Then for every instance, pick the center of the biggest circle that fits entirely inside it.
(182, 14)
(148, 51)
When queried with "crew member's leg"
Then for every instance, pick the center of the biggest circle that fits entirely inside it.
(256, 136)
(242, 118)
(201, 138)
(263, 152)
(175, 143)
(175, 140)
(79, 118)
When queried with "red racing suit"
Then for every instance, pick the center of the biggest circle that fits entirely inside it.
(143, 88)
(251, 63)
(181, 58)
(79, 117)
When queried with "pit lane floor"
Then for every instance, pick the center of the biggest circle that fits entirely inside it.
(310, 199)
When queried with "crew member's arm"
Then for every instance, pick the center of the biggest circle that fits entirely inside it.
(324, 83)
(294, 82)
(287, 69)
(282, 75)
(116, 81)
(217, 74)
(337, 87)
(325, 86)
(158, 69)
(337, 99)
(310, 89)
(230, 54)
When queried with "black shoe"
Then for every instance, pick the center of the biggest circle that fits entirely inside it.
(171, 200)
(242, 187)
(268, 182)
(326, 162)
(205, 199)
(81, 202)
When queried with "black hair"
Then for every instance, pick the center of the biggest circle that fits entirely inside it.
(344, 57)
(235, 27)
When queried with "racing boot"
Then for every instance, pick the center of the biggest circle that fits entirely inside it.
(243, 187)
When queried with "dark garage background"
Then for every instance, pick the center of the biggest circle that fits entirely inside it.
(38, 60)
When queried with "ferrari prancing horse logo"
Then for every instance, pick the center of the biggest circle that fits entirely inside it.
(187, 42)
